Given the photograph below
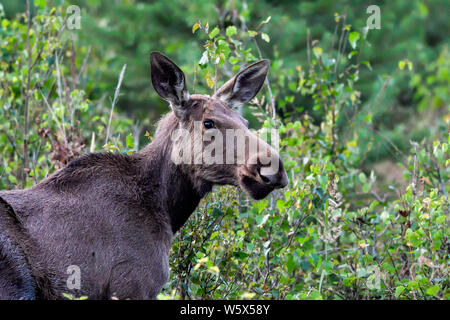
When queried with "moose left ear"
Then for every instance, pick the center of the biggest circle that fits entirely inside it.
(169, 81)
(244, 86)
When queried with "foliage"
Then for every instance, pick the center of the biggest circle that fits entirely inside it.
(319, 240)
(45, 118)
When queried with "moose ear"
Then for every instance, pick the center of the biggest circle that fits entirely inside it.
(169, 81)
(244, 86)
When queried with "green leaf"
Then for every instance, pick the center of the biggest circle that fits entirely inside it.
(265, 37)
(410, 65)
(362, 177)
(281, 205)
(12, 179)
(209, 80)
(432, 291)
(413, 238)
(351, 54)
(367, 64)
(195, 27)
(399, 290)
(317, 51)
(267, 20)
(214, 234)
(130, 142)
(315, 295)
(440, 219)
(252, 33)
(365, 31)
(68, 296)
(260, 220)
(233, 60)
(423, 9)
(353, 38)
(413, 285)
(231, 30)
(204, 59)
(437, 239)
(206, 26)
(5, 23)
(336, 17)
(214, 32)
(40, 3)
(366, 188)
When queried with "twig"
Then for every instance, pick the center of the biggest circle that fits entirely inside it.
(83, 66)
(378, 197)
(195, 77)
(341, 39)
(12, 143)
(60, 97)
(27, 97)
(73, 67)
(439, 177)
(333, 130)
(267, 82)
(116, 96)
(308, 49)
(414, 175)
(51, 111)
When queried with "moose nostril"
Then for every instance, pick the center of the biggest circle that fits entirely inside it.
(276, 180)
(266, 178)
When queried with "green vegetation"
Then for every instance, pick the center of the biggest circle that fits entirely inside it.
(362, 114)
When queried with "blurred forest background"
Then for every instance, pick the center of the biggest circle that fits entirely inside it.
(363, 116)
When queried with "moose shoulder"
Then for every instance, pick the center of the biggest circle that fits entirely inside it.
(114, 216)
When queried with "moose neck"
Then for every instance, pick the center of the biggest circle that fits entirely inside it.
(176, 189)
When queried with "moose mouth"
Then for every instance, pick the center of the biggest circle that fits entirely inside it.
(255, 189)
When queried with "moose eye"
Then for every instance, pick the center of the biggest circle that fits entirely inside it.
(209, 124)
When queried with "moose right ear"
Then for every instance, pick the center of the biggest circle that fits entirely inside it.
(169, 82)
(245, 85)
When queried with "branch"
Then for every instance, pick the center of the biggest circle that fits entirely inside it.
(116, 96)
(27, 96)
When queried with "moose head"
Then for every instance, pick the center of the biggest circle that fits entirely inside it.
(211, 139)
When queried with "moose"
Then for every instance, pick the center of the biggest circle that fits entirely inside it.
(113, 216)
